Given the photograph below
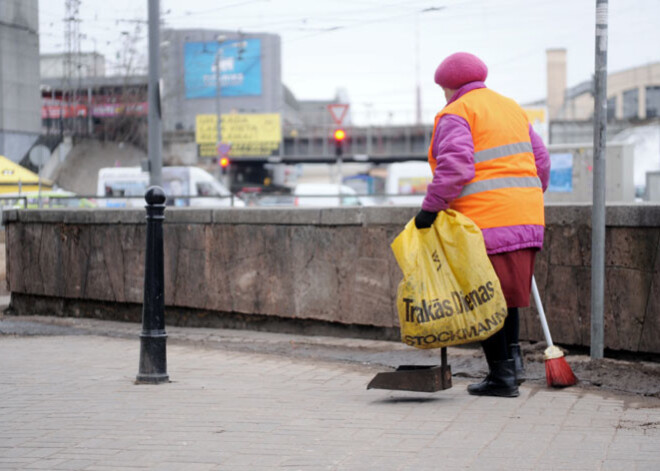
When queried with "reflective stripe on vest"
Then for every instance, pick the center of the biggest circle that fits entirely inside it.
(498, 183)
(502, 151)
(506, 189)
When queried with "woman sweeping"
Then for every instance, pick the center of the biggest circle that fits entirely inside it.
(490, 165)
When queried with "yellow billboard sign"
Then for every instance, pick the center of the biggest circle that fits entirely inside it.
(208, 149)
(252, 134)
(206, 129)
(245, 134)
(251, 128)
(254, 148)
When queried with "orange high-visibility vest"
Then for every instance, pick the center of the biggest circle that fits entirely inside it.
(506, 189)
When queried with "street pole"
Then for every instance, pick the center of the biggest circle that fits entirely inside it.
(90, 129)
(339, 178)
(62, 114)
(418, 88)
(218, 95)
(598, 206)
(40, 204)
(218, 55)
(369, 130)
(218, 59)
(153, 339)
(155, 129)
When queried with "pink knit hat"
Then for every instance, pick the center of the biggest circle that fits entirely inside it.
(460, 68)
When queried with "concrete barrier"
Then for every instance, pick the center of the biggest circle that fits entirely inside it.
(330, 266)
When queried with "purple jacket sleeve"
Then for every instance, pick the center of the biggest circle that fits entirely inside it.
(453, 150)
(541, 157)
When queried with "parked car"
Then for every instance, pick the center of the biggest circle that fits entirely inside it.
(407, 180)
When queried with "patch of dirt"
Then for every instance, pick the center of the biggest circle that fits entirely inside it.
(632, 375)
(641, 378)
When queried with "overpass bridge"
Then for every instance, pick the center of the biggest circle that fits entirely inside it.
(391, 142)
(314, 144)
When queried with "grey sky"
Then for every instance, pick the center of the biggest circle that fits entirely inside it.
(368, 47)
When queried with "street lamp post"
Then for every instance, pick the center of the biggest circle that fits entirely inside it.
(155, 137)
(218, 55)
(369, 149)
(218, 60)
(599, 185)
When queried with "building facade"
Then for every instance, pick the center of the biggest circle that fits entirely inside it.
(632, 94)
(83, 65)
(19, 77)
(245, 67)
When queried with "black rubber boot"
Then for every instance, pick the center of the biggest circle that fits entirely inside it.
(501, 381)
(516, 355)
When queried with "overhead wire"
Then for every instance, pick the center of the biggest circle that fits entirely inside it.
(340, 16)
(308, 26)
(213, 10)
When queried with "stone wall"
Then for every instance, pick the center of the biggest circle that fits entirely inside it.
(331, 265)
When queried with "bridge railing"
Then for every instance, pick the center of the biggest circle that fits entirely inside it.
(265, 200)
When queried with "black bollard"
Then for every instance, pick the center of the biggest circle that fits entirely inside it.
(153, 339)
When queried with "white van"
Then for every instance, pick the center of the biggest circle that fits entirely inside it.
(408, 180)
(325, 194)
(184, 186)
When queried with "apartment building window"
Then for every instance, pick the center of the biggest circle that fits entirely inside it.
(652, 102)
(630, 103)
(611, 108)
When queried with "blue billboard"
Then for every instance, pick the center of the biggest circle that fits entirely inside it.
(240, 68)
(561, 173)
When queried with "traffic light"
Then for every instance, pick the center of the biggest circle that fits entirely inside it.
(339, 136)
(224, 164)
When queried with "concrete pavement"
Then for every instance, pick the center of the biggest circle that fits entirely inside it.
(69, 402)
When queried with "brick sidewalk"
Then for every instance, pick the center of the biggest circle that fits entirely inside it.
(69, 402)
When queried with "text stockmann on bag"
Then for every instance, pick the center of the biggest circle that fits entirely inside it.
(459, 335)
(438, 309)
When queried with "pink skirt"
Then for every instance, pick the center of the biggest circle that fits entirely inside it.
(515, 270)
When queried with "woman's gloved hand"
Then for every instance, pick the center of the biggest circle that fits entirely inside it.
(424, 219)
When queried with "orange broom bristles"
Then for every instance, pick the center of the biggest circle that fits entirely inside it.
(558, 373)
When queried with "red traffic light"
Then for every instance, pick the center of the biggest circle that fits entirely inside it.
(340, 135)
(224, 162)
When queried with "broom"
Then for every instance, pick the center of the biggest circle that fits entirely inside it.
(558, 373)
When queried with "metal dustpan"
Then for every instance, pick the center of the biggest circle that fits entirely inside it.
(422, 378)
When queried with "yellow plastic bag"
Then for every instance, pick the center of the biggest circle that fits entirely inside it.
(450, 294)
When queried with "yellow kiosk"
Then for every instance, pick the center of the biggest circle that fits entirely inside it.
(16, 180)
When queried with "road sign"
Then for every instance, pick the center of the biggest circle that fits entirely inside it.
(338, 112)
(223, 149)
(39, 155)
